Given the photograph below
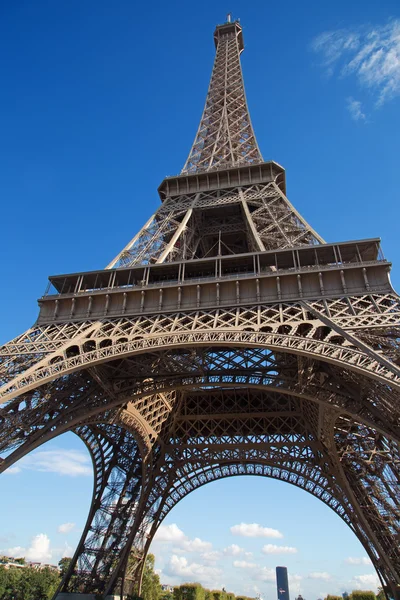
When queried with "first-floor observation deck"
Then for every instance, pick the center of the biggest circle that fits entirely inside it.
(306, 272)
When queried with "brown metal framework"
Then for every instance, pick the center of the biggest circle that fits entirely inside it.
(227, 338)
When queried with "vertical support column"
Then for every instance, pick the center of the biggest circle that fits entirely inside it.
(118, 487)
(366, 466)
(175, 237)
(259, 245)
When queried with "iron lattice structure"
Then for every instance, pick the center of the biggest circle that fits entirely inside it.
(227, 338)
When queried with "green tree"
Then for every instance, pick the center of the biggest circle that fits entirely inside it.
(10, 583)
(219, 595)
(166, 595)
(45, 584)
(28, 583)
(362, 595)
(381, 594)
(151, 587)
(191, 591)
(64, 565)
(2, 581)
(195, 591)
(178, 595)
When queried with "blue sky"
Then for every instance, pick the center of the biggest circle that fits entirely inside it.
(98, 102)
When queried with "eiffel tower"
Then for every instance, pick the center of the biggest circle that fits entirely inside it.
(227, 338)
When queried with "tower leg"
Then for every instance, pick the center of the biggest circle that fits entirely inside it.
(368, 466)
(115, 509)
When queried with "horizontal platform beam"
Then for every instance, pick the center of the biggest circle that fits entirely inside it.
(249, 174)
(337, 254)
(263, 287)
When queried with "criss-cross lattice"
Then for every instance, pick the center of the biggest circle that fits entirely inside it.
(225, 339)
(225, 137)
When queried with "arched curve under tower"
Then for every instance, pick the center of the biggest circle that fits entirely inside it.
(305, 522)
(207, 514)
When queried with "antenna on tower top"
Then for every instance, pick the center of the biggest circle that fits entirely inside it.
(229, 18)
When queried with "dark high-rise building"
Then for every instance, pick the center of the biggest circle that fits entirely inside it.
(282, 583)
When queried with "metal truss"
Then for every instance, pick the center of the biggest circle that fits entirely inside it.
(282, 380)
(225, 136)
(117, 489)
(187, 369)
(256, 217)
(299, 328)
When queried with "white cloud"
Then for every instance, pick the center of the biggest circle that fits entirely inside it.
(68, 551)
(12, 470)
(243, 564)
(272, 549)
(66, 527)
(169, 533)
(17, 552)
(363, 560)
(354, 108)
(371, 54)
(179, 566)
(39, 550)
(172, 534)
(211, 557)
(333, 44)
(196, 545)
(318, 575)
(63, 462)
(233, 550)
(295, 584)
(265, 574)
(370, 580)
(248, 554)
(253, 589)
(255, 530)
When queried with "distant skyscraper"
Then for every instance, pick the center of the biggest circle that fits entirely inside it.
(282, 583)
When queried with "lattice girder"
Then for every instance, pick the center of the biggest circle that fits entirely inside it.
(149, 400)
(35, 417)
(285, 329)
(255, 364)
(203, 224)
(371, 464)
(118, 487)
(278, 367)
(251, 456)
(305, 334)
(225, 135)
(302, 461)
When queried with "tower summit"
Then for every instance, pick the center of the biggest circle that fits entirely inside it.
(226, 338)
(225, 136)
(234, 202)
